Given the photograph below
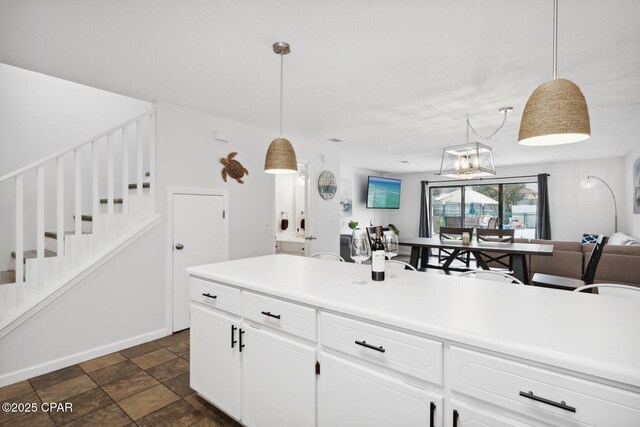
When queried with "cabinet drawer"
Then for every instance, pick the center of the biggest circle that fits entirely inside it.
(541, 394)
(294, 248)
(216, 295)
(281, 315)
(405, 353)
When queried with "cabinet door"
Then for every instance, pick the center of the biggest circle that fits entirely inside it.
(278, 380)
(462, 415)
(352, 396)
(215, 365)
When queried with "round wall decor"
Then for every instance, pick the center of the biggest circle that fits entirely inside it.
(327, 185)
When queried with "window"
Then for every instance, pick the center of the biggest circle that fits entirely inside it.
(504, 205)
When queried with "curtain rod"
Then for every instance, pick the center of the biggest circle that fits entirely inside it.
(485, 179)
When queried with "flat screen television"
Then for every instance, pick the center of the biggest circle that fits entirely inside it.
(383, 193)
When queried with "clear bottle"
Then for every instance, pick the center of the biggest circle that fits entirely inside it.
(377, 257)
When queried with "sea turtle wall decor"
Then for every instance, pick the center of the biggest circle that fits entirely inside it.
(233, 168)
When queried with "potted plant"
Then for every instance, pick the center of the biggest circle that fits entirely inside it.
(353, 225)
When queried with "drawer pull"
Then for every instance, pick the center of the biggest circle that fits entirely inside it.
(455, 418)
(268, 313)
(208, 295)
(233, 335)
(372, 347)
(561, 405)
(432, 413)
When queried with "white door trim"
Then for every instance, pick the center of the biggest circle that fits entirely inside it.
(172, 191)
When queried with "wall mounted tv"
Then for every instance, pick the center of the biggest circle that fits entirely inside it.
(383, 193)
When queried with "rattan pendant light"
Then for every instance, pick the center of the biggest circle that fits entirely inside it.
(556, 112)
(281, 157)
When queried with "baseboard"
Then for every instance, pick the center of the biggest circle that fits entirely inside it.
(63, 362)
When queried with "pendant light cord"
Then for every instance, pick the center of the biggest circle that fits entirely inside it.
(555, 39)
(281, 90)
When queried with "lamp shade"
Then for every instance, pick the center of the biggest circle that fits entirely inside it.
(556, 113)
(281, 157)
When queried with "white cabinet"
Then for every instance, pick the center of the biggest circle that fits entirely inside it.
(352, 396)
(256, 373)
(279, 380)
(215, 361)
(291, 248)
(551, 397)
(464, 415)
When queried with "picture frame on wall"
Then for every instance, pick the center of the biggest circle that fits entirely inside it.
(636, 186)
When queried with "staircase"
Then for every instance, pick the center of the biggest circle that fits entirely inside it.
(100, 192)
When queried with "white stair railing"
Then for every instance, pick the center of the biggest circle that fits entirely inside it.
(93, 178)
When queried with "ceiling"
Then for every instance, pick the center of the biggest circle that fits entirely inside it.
(393, 80)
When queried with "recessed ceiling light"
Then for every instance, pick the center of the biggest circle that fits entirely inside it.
(403, 161)
(335, 139)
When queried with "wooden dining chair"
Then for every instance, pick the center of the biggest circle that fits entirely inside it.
(454, 233)
(568, 283)
(497, 260)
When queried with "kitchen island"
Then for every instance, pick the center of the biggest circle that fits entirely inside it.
(285, 340)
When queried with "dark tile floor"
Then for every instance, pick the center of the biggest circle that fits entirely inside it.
(145, 385)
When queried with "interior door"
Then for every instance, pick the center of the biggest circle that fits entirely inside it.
(199, 237)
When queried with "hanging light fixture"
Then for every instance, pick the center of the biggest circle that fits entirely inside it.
(473, 159)
(281, 157)
(556, 112)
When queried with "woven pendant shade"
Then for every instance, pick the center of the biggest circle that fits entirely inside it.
(281, 157)
(556, 113)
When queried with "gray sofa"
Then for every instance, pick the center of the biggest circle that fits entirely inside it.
(619, 263)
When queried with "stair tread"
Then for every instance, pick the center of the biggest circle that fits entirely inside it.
(33, 254)
(85, 217)
(54, 234)
(147, 174)
(7, 277)
(135, 185)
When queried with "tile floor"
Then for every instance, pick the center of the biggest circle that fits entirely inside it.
(145, 385)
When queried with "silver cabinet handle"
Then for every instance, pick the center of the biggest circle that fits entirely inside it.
(179, 246)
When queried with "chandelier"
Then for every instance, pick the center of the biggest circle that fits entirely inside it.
(472, 159)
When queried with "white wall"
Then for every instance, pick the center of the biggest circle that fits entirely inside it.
(357, 177)
(119, 305)
(40, 115)
(573, 210)
(631, 220)
(188, 155)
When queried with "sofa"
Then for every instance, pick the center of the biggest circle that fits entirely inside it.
(619, 263)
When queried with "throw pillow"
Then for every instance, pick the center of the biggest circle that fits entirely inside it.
(589, 238)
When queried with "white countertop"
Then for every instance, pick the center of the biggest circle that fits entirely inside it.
(593, 334)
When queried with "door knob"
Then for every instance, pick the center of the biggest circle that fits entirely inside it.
(179, 246)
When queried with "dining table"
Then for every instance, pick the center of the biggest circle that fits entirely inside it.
(517, 251)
